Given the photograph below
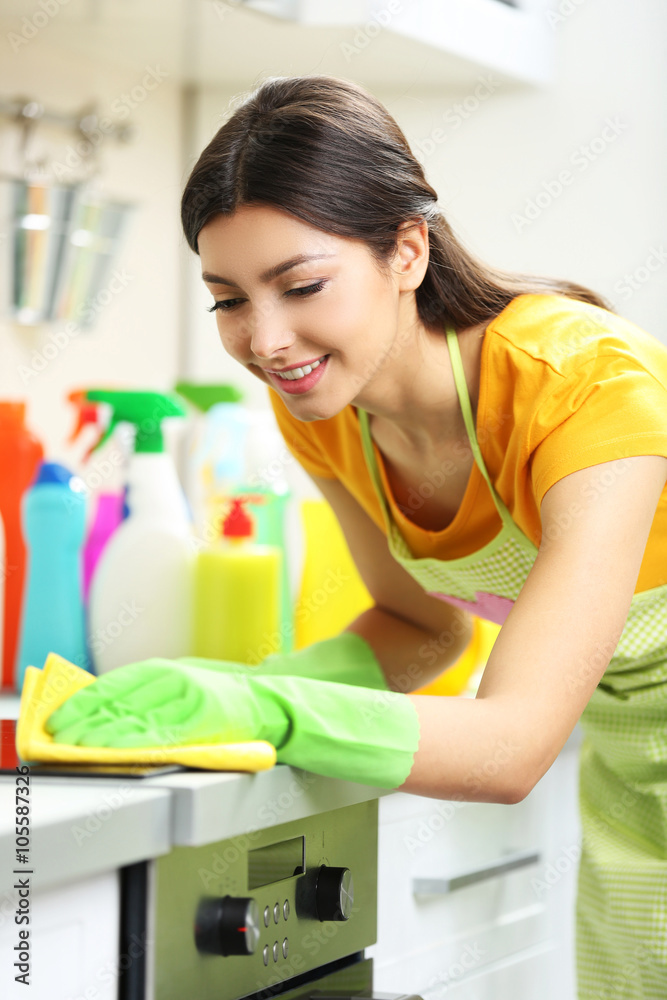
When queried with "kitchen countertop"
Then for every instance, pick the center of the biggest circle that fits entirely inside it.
(80, 826)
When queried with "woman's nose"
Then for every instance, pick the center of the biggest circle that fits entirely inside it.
(268, 335)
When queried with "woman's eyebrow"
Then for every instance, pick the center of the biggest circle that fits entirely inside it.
(272, 272)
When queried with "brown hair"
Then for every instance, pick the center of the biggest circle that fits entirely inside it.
(328, 152)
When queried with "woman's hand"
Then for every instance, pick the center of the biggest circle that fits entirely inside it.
(164, 703)
(354, 733)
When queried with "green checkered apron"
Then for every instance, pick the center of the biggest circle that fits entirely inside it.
(621, 913)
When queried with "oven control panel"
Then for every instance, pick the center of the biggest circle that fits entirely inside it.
(256, 911)
(231, 926)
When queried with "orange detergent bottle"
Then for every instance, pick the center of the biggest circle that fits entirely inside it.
(20, 454)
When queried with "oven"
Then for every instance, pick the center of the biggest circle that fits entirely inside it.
(282, 911)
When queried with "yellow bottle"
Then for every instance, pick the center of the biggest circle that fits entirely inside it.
(331, 593)
(237, 593)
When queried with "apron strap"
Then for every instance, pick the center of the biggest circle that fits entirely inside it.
(367, 445)
(466, 409)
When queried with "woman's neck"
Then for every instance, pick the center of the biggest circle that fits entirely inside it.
(414, 394)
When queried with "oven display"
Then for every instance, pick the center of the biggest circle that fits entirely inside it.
(275, 862)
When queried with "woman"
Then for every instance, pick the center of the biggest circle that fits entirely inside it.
(490, 443)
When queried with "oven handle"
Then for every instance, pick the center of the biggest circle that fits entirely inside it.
(443, 886)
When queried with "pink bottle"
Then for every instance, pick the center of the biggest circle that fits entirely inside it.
(108, 515)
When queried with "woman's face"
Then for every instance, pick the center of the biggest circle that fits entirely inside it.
(288, 296)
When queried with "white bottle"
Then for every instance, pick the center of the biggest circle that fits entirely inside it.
(141, 593)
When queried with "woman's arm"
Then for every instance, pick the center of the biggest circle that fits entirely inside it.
(414, 637)
(554, 646)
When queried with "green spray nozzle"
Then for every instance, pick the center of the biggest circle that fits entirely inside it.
(204, 396)
(144, 409)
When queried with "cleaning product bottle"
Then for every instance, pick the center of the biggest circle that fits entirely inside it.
(108, 507)
(107, 518)
(52, 619)
(215, 460)
(140, 603)
(331, 592)
(269, 518)
(237, 593)
(233, 451)
(3, 571)
(20, 454)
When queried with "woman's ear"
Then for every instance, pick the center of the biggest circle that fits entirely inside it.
(412, 254)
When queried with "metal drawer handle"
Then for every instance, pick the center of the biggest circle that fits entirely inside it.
(442, 886)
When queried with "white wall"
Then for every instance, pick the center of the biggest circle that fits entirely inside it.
(135, 341)
(491, 152)
(507, 148)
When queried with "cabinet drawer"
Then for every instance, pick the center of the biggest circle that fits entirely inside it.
(524, 975)
(478, 914)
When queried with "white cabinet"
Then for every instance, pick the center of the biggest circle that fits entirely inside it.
(73, 942)
(501, 934)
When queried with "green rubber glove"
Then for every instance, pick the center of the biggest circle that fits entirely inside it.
(345, 658)
(353, 733)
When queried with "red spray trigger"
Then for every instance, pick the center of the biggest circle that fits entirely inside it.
(87, 413)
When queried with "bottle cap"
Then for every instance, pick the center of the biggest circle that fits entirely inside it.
(52, 472)
(238, 523)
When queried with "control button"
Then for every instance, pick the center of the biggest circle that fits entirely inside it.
(276, 913)
(285, 948)
(334, 893)
(227, 926)
(267, 916)
(275, 951)
(286, 909)
(265, 954)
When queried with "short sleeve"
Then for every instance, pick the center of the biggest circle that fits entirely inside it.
(610, 408)
(301, 440)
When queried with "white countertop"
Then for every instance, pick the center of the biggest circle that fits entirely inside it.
(79, 827)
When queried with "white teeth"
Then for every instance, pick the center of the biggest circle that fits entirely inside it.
(297, 373)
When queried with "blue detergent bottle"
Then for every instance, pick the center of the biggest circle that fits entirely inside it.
(54, 523)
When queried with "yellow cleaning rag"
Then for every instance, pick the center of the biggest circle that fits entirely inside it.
(45, 690)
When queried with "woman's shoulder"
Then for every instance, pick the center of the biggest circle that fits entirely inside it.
(564, 334)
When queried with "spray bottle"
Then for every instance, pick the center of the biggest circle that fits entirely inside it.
(108, 506)
(140, 602)
(237, 592)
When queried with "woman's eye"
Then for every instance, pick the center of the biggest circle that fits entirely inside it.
(224, 305)
(307, 289)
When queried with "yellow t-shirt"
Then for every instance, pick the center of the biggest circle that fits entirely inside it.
(564, 385)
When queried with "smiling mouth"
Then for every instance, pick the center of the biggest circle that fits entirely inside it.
(292, 374)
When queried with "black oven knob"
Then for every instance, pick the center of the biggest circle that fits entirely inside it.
(334, 893)
(225, 925)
